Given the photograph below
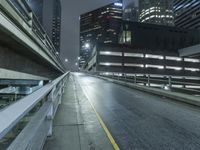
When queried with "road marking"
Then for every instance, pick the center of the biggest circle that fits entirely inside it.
(110, 137)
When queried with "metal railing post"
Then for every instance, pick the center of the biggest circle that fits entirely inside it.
(118, 77)
(51, 112)
(148, 82)
(135, 79)
(170, 81)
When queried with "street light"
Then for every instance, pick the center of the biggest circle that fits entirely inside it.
(79, 58)
(76, 64)
(87, 45)
(66, 60)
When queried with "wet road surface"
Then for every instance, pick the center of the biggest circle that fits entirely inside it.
(141, 121)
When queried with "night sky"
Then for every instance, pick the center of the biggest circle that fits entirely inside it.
(71, 10)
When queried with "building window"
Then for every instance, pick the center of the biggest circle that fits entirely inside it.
(133, 65)
(110, 64)
(128, 37)
(191, 60)
(110, 53)
(173, 68)
(154, 66)
(173, 58)
(154, 56)
(134, 55)
(125, 37)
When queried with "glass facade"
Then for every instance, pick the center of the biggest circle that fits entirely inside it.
(187, 13)
(130, 12)
(48, 13)
(156, 12)
(101, 25)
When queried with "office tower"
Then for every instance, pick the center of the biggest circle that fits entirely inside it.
(100, 25)
(48, 13)
(130, 12)
(156, 12)
(187, 13)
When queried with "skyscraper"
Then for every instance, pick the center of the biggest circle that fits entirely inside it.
(156, 12)
(49, 15)
(130, 12)
(100, 25)
(187, 13)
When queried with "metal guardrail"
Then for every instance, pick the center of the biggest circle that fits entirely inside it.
(166, 82)
(39, 127)
(22, 8)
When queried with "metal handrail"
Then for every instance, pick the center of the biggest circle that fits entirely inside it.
(11, 115)
(147, 80)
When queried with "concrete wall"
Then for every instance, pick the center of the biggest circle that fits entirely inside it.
(20, 66)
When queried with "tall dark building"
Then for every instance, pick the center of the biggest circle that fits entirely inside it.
(130, 12)
(187, 13)
(100, 25)
(157, 37)
(156, 12)
(37, 7)
(49, 15)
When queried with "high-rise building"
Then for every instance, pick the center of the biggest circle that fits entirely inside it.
(156, 12)
(100, 25)
(187, 14)
(37, 7)
(130, 12)
(49, 15)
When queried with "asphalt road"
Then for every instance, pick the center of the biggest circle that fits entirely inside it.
(141, 121)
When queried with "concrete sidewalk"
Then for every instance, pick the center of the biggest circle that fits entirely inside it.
(76, 126)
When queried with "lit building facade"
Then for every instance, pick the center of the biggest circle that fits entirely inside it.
(112, 58)
(147, 49)
(49, 15)
(101, 25)
(156, 12)
(187, 13)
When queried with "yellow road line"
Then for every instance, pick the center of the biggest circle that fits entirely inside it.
(112, 141)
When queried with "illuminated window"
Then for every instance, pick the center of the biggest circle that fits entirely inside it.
(154, 56)
(118, 4)
(173, 68)
(110, 53)
(154, 66)
(192, 69)
(125, 37)
(134, 65)
(134, 55)
(192, 87)
(128, 37)
(110, 64)
(191, 60)
(173, 58)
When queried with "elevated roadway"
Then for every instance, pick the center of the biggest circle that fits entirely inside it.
(26, 52)
(138, 120)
